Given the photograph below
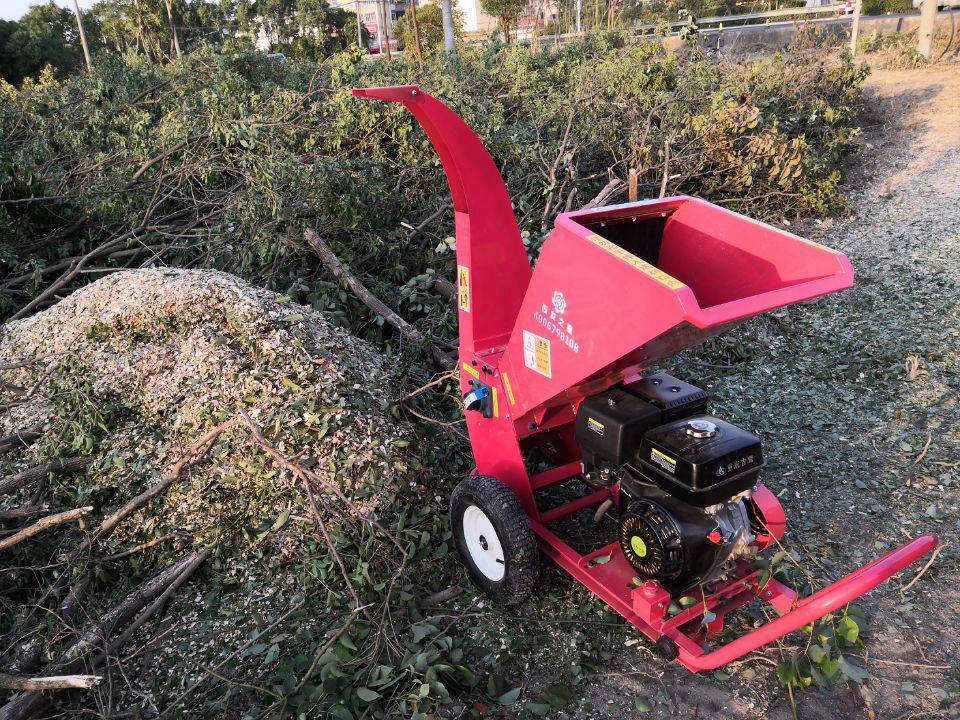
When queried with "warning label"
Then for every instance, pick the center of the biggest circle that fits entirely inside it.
(463, 287)
(536, 353)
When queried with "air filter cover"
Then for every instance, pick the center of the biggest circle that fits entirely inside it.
(675, 398)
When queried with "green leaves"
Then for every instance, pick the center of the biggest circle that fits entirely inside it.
(823, 663)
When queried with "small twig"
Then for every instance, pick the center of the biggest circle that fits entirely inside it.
(136, 548)
(923, 452)
(437, 381)
(43, 524)
(933, 556)
(167, 478)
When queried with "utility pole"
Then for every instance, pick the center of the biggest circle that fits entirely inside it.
(83, 35)
(855, 28)
(928, 28)
(449, 41)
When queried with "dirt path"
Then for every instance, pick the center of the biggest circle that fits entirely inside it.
(864, 450)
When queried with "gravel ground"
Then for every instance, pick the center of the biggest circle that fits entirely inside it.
(856, 399)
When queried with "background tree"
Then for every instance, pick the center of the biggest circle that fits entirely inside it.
(430, 24)
(507, 13)
(46, 35)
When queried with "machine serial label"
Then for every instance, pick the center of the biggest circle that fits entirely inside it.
(463, 287)
(536, 353)
(635, 262)
(664, 461)
(595, 425)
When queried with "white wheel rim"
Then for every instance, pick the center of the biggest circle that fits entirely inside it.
(483, 544)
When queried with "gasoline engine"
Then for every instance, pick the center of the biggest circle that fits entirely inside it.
(685, 478)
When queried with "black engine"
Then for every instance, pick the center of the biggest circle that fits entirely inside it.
(685, 478)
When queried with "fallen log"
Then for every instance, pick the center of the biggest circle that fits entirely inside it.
(333, 264)
(43, 524)
(57, 468)
(20, 438)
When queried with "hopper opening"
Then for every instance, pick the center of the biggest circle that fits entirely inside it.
(721, 256)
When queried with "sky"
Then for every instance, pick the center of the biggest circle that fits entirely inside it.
(15, 9)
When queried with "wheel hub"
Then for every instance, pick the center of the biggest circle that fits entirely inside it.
(483, 543)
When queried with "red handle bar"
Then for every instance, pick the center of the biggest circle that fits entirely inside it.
(815, 606)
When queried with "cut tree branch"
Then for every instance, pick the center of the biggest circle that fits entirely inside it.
(20, 438)
(333, 264)
(57, 468)
(100, 637)
(43, 524)
(54, 682)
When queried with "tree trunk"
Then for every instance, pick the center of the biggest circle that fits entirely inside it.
(449, 41)
(416, 33)
(83, 35)
(386, 31)
(173, 28)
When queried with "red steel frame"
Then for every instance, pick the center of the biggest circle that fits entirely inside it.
(593, 314)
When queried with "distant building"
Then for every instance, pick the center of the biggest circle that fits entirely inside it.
(370, 11)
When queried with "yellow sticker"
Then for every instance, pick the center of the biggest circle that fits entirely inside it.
(663, 460)
(506, 386)
(472, 370)
(635, 262)
(496, 405)
(596, 426)
(536, 353)
(463, 287)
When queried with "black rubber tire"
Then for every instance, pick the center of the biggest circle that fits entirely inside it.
(519, 544)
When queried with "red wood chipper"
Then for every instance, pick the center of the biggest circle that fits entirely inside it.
(550, 367)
